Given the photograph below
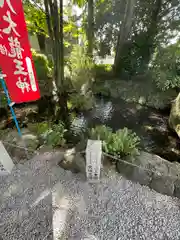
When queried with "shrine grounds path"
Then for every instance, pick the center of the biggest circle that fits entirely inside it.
(40, 201)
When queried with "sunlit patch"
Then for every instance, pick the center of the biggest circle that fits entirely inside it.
(176, 151)
(148, 128)
(61, 204)
(138, 106)
(142, 100)
(178, 128)
(155, 116)
(43, 195)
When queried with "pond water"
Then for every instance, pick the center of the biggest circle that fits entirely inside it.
(149, 124)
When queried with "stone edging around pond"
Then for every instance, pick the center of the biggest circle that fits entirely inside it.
(161, 175)
(147, 169)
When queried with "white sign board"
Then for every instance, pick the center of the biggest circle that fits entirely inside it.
(6, 163)
(93, 159)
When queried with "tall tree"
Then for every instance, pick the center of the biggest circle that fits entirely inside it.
(124, 32)
(90, 30)
(90, 21)
(54, 18)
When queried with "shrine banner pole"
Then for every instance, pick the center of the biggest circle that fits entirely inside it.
(10, 104)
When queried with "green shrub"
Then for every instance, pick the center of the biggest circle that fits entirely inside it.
(120, 144)
(81, 68)
(81, 102)
(103, 70)
(101, 132)
(102, 90)
(166, 67)
(42, 65)
(50, 134)
(38, 128)
(123, 143)
(55, 135)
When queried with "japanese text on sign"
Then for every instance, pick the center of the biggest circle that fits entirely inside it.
(15, 55)
(93, 159)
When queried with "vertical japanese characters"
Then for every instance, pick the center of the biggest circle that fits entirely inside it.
(23, 83)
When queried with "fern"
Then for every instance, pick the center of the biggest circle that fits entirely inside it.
(122, 143)
(100, 132)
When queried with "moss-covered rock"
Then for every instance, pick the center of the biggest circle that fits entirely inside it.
(174, 118)
(44, 70)
(73, 162)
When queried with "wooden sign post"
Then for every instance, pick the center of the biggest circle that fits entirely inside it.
(93, 160)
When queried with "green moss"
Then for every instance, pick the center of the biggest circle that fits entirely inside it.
(42, 65)
(103, 70)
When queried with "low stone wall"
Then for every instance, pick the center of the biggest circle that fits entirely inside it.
(153, 171)
(146, 169)
(142, 92)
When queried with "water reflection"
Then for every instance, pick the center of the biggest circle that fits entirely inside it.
(103, 110)
(149, 124)
(79, 124)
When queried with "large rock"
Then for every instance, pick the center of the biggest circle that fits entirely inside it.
(163, 184)
(177, 188)
(153, 171)
(73, 161)
(20, 148)
(137, 170)
(175, 172)
(174, 118)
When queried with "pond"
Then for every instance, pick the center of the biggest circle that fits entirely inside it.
(149, 124)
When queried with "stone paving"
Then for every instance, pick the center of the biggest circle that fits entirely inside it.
(41, 201)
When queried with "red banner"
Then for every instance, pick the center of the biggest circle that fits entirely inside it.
(15, 54)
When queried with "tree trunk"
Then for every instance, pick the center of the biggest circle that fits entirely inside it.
(55, 28)
(152, 31)
(90, 34)
(124, 31)
(61, 44)
(62, 94)
(41, 40)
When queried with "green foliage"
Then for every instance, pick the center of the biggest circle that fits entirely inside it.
(103, 70)
(101, 132)
(121, 143)
(80, 102)
(102, 90)
(80, 3)
(52, 135)
(174, 118)
(166, 67)
(42, 65)
(38, 128)
(154, 23)
(55, 135)
(35, 17)
(81, 67)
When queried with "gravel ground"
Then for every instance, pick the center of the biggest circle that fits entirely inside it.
(41, 201)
